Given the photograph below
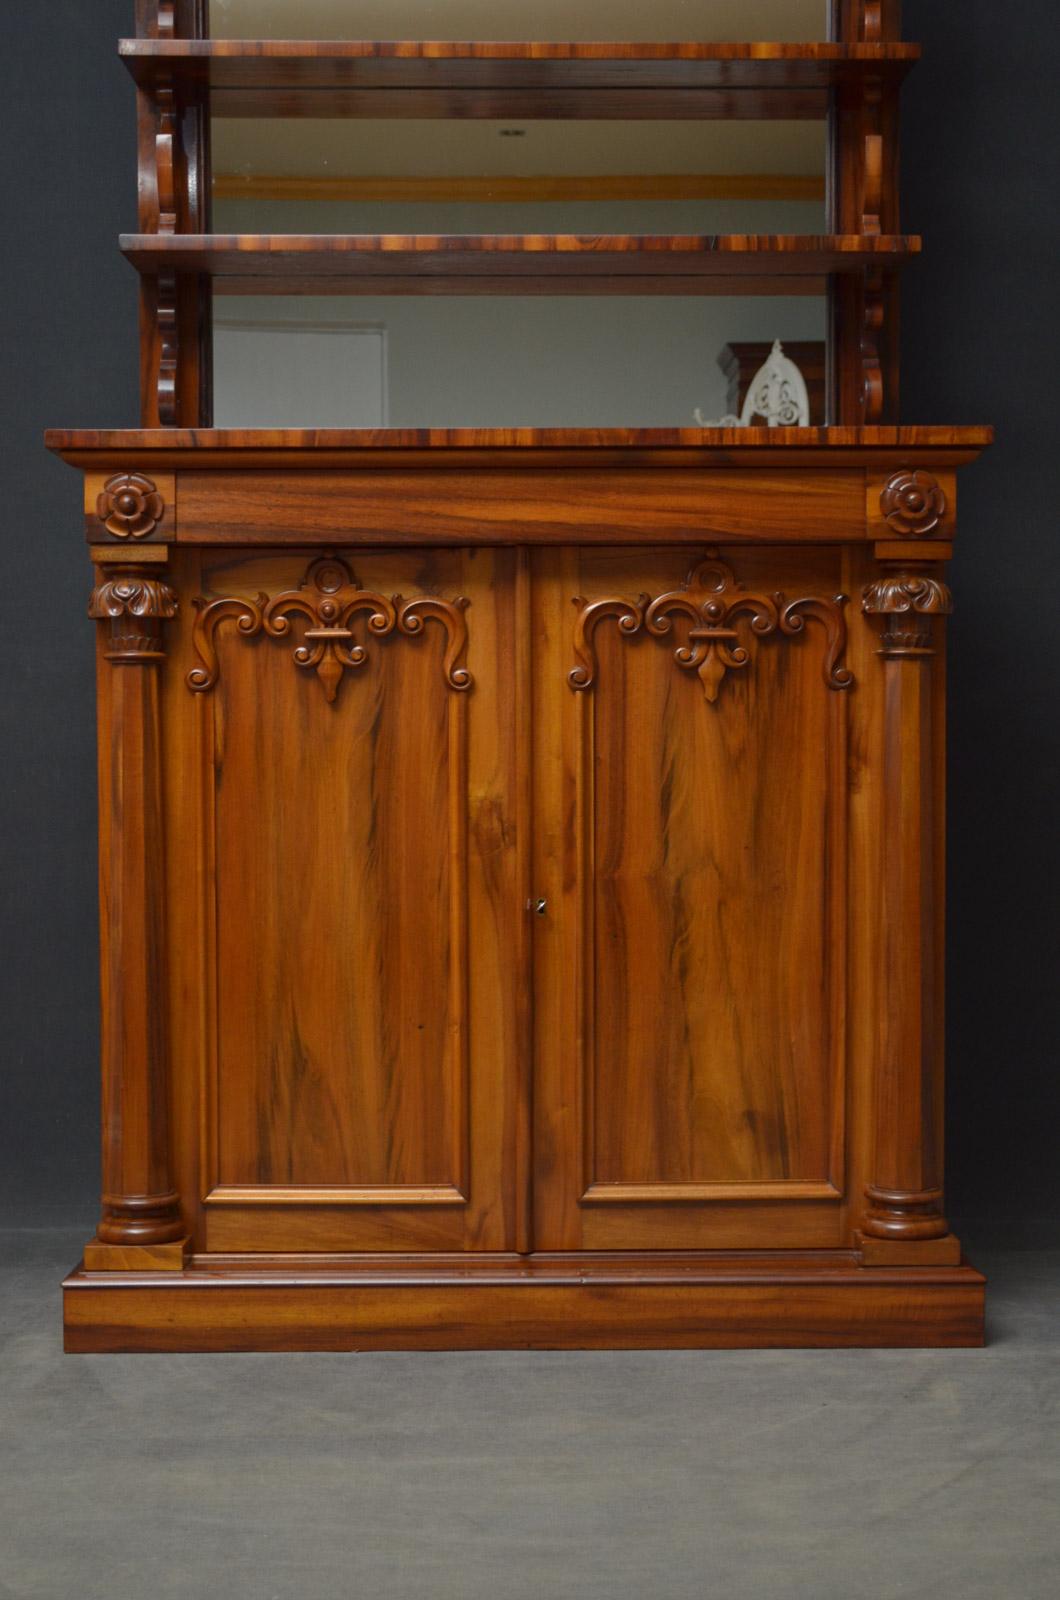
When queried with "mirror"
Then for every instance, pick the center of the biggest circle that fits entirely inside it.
(715, 20)
(499, 361)
(310, 175)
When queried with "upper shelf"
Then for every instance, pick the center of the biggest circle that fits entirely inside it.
(517, 263)
(259, 78)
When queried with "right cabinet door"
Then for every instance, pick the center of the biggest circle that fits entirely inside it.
(691, 781)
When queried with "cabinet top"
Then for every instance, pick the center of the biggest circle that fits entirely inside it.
(293, 447)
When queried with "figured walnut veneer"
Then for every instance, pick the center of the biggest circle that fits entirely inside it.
(521, 866)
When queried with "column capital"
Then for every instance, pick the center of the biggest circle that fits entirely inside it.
(908, 596)
(135, 601)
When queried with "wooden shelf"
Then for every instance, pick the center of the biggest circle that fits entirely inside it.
(154, 449)
(516, 263)
(261, 78)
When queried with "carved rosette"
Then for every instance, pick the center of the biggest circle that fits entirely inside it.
(329, 598)
(913, 504)
(712, 601)
(130, 506)
(135, 602)
(902, 597)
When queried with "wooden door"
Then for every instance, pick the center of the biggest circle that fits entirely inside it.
(348, 924)
(690, 807)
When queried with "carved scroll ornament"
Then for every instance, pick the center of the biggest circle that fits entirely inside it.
(329, 597)
(130, 506)
(912, 504)
(712, 600)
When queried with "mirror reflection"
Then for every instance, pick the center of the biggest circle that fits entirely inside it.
(309, 175)
(502, 361)
(713, 20)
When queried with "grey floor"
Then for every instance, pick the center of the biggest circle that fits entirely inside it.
(646, 1476)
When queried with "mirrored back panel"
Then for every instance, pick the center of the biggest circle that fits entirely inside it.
(316, 175)
(778, 21)
(414, 361)
(593, 359)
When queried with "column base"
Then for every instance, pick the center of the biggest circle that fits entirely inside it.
(944, 1252)
(170, 1257)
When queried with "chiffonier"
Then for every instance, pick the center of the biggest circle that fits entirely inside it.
(521, 845)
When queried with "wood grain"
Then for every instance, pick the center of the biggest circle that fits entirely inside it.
(905, 1194)
(263, 78)
(139, 1206)
(692, 976)
(352, 1077)
(321, 61)
(100, 449)
(550, 506)
(511, 263)
(583, 1302)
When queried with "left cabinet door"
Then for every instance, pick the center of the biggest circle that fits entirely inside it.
(346, 898)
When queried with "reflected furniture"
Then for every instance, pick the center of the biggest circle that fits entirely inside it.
(740, 360)
(521, 851)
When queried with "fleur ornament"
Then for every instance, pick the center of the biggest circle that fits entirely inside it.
(328, 599)
(712, 600)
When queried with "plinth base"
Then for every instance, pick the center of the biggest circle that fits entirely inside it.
(615, 1301)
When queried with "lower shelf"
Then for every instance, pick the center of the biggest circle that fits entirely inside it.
(572, 1302)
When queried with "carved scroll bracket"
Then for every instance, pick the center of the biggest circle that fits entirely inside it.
(135, 602)
(712, 600)
(907, 598)
(329, 598)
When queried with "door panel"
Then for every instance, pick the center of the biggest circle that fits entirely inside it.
(690, 817)
(363, 909)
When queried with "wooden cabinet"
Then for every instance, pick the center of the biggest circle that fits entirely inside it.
(543, 908)
(521, 850)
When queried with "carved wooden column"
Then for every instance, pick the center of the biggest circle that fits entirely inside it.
(140, 1223)
(904, 1221)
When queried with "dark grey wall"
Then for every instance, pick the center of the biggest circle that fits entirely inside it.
(979, 335)
(980, 320)
(68, 348)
